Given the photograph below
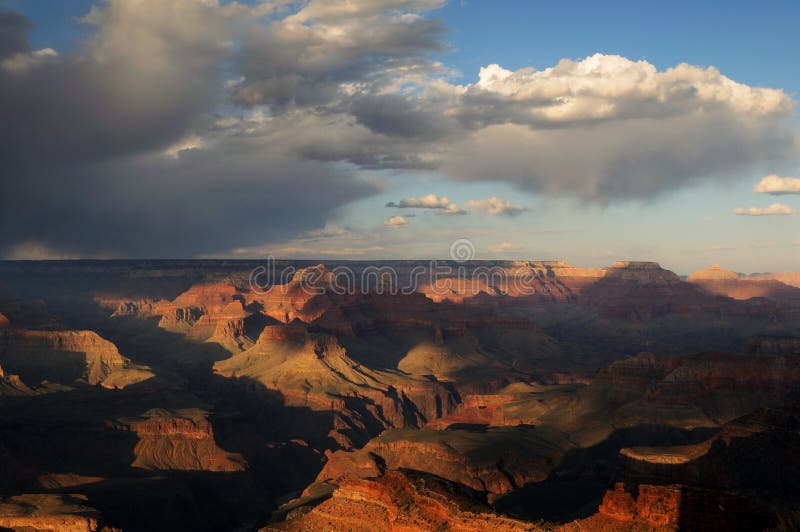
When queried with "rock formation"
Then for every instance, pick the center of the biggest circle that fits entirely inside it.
(182, 440)
(305, 296)
(788, 278)
(66, 357)
(495, 461)
(314, 371)
(718, 281)
(673, 507)
(475, 402)
(396, 501)
(49, 512)
(714, 273)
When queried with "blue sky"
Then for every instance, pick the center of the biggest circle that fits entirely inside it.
(689, 227)
(752, 42)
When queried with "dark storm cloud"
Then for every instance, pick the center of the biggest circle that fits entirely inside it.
(135, 88)
(401, 116)
(202, 202)
(83, 142)
(309, 58)
(13, 28)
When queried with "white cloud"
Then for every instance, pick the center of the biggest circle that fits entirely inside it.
(25, 60)
(452, 209)
(776, 209)
(777, 185)
(441, 204)
(430, 201)
(497, 207)
(192, 142)
(396, 221)
(609, 87)
(505, 247)
(607, 128)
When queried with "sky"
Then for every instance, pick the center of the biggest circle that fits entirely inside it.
(389, 129)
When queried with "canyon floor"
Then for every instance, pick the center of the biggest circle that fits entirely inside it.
(221, 395)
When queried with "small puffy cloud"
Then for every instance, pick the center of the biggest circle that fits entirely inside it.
(776, 209)
(430, 201)
(505, 247)
(452, 209)
(396, 221)
(777, 185)
(497, 207)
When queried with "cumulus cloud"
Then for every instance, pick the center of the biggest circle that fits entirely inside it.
(607, 128)
(777, 185)
(604, 88)
(602, 129)
(776, 209)
(497, 207)
(431, 201)
(396, 221)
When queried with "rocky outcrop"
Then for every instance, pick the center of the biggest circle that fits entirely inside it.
(49, 512)
(233, 328)
(12, 385)
(756, 452)
(170, 440)
(718, 281)
(66, 357)
(206, 312)
(305, 297)
(201, 300)
(313, 371)
(545, 281)
(714, 273)
(788, 278)
(478, 409)
(674, 507)
(121, 306)
(704, 389)
(642, 291)
(492, 461)
(400, 502)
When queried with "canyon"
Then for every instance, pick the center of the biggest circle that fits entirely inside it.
(519, 395)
